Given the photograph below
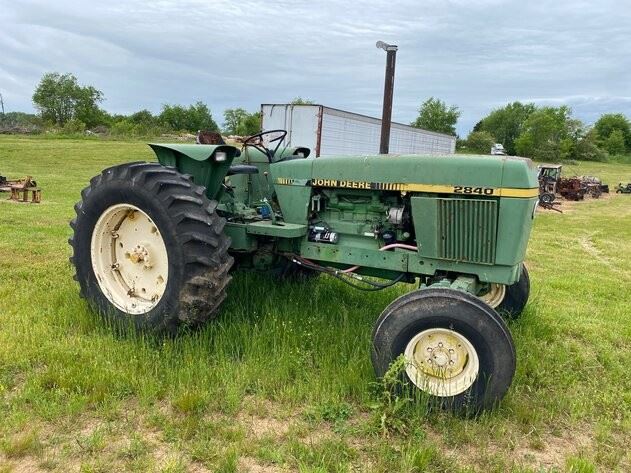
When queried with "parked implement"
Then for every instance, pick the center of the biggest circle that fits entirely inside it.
(153, 245)
(21, 190)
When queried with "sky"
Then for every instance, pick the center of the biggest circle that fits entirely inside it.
(476, 54)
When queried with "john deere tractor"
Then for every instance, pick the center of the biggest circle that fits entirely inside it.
(154, 244)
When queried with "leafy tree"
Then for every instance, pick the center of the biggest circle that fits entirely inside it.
(610, 122)
(59, 98)
(251, 125)
(544, 132)
(435, 115)
(480, 141)
(238, 121)
(301, 101)
(143, 117)
(615, 144)
(193, 118)
(507, 123)
(586, 147)
(233, 117)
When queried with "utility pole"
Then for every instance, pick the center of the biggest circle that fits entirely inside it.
(388, 92)
(2, 104)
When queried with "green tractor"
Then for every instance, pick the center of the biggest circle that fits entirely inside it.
(154, 245)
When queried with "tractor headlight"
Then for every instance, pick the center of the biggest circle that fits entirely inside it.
(221, 156)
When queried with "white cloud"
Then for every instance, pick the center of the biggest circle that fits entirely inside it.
(476, 54)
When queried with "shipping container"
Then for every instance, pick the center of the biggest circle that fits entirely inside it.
(329, 131)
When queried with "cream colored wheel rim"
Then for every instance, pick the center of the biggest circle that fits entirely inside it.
(441, 362)
(495, 296)
(129, 259)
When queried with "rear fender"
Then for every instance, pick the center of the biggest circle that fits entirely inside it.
(199, 161)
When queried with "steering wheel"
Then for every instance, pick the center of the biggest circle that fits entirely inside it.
(252, 141)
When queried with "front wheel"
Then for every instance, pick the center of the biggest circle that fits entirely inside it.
(509, 301)
(149, 249)
(457, 350)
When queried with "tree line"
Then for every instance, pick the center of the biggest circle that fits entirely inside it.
(544, 133)
(540, 132)
(63, 104)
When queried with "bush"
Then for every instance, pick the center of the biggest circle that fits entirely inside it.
(122, 128)
(73, 126)
(480, 141)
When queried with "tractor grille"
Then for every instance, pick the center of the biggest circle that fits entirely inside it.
(467, 230)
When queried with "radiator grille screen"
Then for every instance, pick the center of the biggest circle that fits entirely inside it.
(467, 230)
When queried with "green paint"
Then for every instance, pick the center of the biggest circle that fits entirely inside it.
(457, 209)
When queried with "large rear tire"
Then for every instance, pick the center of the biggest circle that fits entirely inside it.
(457, 350)
(149, 249)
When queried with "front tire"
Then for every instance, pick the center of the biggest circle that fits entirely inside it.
(149, 248)
(516, 296)
(509, 301)
(457, 350)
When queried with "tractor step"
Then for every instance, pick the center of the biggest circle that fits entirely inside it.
(283, 230)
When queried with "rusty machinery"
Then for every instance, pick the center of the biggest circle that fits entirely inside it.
(594, 185)
(21, 189)
(573, 188)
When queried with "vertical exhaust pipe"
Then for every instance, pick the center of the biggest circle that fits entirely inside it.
(388, 92)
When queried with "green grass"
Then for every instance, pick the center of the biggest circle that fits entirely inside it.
(282, 381)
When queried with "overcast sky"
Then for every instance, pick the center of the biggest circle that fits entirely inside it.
(477, 54)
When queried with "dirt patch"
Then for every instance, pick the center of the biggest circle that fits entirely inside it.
(264, 426)
(555, 450)
(544, 452)
(25, 465)
(569, 206)
(249, 464)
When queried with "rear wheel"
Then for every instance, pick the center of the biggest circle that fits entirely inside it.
(456, 349)
(149, 249)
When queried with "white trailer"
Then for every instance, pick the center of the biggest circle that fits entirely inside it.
(329, 131)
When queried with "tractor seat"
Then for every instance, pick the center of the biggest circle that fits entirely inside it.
(242, 169)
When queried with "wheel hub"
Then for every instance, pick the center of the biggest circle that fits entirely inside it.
(441, 361)
(129, 259)
(140, 254)
(495, 295)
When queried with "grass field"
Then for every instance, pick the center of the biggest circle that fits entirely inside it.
(282, 381)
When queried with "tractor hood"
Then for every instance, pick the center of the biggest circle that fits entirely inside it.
(489, 175)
